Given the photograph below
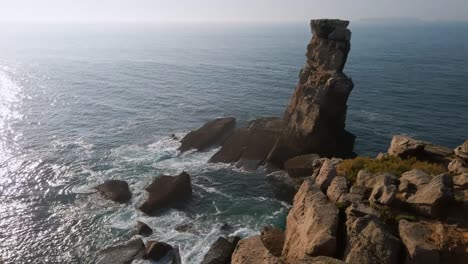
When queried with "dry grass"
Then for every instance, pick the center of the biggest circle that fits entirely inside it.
(395, 165)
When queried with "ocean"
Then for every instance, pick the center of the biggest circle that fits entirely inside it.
(80, 104)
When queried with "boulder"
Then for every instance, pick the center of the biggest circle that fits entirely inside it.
(156, 250)
(337, 188)
(326, 175)
(356, 195)
(252, 251)
(369, 180)
(433, 198)
(434, 242)
(462, 151)
(167, 191)
(411, 181)
(311, 225)
(143, 229)
(301, 166)
(384, 190)
(210, 134)
(406, 147)
(369, 240)
(115, 190)
(221, 251)
(461, 181)
(273, 240)
(121, 254)
(457, 166)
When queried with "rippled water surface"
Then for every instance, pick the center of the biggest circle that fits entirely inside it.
(82, 104)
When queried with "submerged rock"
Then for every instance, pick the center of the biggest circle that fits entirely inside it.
(221, 251)
(115, 190)
(156, 250)
(167, 191)
(405, 147)
(210, 134)
(121, 254)
(434, 197)
(252, 251)
(311, 225)
(143, 229)
(273, 240)
(283, 186)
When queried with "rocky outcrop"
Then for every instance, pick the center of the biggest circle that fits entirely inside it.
(156, 250)
(221, 251)
(326, 174)
(368, 181)
(434, 242)
(252, 251)
(273, 240)
(210, 134)
(301, 166)
(143, 229)
(121, 254)
(167, 191)
(384, 190)
(337, 188)
(115, 190)
(411, 181)
(407, 147)
(311, 225)
(462, 151)
(457, 166)
(434, 197)
(316, 113)
(369, 240)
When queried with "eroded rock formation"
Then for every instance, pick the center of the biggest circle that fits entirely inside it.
(115, 190)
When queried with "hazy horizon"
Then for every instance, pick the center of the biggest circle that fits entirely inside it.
(239, 11)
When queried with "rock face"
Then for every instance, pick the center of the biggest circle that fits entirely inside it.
(462, 151)
(434, 197)
(326, 175)
(221, 251)
(121, 254)
(406, 147)
(143, 229)
(384, 190)
(417, 239)
(369, 240)
(301, 166)
(337, 188)
(115, 190)
(317, 110)
(273, 240)
(411, 181)
(167, 191)
(210, 134)
(252, 251)
(311, 225)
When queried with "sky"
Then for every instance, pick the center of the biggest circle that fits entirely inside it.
(183, 11)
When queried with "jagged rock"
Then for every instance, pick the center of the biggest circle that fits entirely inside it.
(434, 242)
(356, 195)
(273, 240)
(406, 147)
(284, 187)
(311, 225)
(156, 250)
(337, 188)
(384, 190)
(369, 240)
(252, 145)
(115, 190)
(301, 166)
(457, 166)
(143, 229)
(432, 198)
(461, 181)
(252, 251)
(326, 174)
(121, 254)
(317, 110)
(369, 180)
(462, 151)
(167, 191)
(221, 251)
(382, 156)
(210, 134)
(411, 181)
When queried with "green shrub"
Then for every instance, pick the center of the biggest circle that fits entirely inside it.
(394, 165)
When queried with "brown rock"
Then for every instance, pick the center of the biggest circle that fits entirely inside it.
(320, 260)
(327, 174)
(143, 229)
(221, 251)
(417, 239)
(457, 166)
(406, 147)
(337, 188)
(115, 190)
(311, 225)
(156, 250)
(301, 166)
(433, 198)
(121, 254)
(462, 151)
(167, 191)
(461, 181)
(210, 134)
(384, 190)
(252, 251)
(273, 240)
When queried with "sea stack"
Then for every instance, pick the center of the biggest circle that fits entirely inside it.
(317, 110)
